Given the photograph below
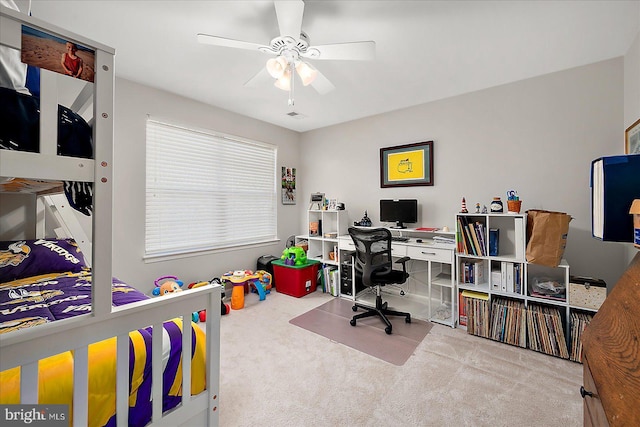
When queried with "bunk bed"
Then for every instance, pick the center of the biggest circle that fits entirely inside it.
(148, 366)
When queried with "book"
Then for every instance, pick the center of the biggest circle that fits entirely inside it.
(615, 182)
(494, 236)
(519, 238)
(503, 274)
(462, 313)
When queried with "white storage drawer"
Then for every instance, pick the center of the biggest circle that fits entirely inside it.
(348, 245)
(430, 254)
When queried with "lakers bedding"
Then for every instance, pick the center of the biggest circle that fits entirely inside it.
(43, 281)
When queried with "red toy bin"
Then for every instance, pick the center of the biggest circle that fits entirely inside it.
(295, 280)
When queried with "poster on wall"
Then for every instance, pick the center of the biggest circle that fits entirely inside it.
(406, 165)
(43, 50)
(288, 186)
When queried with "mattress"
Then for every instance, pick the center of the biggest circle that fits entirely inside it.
(30, 297)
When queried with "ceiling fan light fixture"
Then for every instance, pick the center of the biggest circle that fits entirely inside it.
(284, 81)
(277, 66)
(306, 72)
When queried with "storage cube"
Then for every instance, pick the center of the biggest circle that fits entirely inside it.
(587, 292)
(296, 281)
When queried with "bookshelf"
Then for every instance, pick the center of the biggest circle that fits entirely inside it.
(324, 226)
(505, 298)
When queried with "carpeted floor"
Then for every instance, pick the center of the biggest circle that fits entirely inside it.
(331, 320)
(274, 373)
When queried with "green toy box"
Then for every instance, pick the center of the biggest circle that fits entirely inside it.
(296, 280)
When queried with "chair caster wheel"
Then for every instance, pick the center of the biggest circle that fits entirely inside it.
(354, 308)
(388, 330)
(407, 319)
(352, 322)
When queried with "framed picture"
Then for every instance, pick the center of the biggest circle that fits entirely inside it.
(44, 50)
(288, 186)
(632, 139)
(407, 165)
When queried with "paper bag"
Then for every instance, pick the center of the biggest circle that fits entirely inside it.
(546, 236)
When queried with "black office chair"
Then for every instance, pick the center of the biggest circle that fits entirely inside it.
(374, 264)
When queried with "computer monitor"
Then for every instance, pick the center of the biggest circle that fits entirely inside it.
(399, 211)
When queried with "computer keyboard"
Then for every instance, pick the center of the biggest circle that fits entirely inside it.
(399, 239)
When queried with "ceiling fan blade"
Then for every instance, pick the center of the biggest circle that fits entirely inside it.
(289, 15)
(363, 51)
(322, 84)
(262, 77)
(221, 41)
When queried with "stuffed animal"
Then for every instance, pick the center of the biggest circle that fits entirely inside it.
(172, 284)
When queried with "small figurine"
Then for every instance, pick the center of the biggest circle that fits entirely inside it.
(484, 209)
(477, 207)
(364, 222)
(464, 206)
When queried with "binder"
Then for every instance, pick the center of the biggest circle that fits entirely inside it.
(520, 244)
(615, 182)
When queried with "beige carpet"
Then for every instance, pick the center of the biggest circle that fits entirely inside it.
(331, 320)
(274, 373)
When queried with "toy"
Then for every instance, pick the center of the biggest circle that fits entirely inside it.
(238, 278)
(201, 316)
(260, 282)
(171, 285)
(294, 255)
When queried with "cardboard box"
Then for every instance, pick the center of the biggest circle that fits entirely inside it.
(635, 211)
(587, 292)
(296, 281)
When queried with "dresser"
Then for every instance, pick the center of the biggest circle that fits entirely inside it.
(611, 345)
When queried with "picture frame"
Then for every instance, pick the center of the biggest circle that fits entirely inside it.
(632, 139)
(407, 165)
(316, 201)
(288, 186)
(44, 50)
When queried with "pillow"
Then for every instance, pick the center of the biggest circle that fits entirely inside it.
(26, 258)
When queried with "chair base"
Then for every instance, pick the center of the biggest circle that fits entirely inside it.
(379, 310)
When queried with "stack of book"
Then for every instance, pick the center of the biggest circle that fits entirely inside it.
(508, 322)
(477, 312)
(471, 237)
(579, 321)
(545, 331)
(472, 272)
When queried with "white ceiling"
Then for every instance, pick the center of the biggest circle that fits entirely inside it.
(425, 50)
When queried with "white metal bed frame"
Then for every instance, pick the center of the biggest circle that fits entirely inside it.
(26, 347)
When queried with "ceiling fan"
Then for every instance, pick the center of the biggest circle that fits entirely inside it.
(291, 48)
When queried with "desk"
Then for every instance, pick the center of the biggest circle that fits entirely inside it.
(429, 294)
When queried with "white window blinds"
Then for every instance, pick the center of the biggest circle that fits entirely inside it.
(207, 191)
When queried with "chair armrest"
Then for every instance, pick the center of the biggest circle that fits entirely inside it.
(403, 261)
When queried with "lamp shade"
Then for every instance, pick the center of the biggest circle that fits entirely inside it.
(284, 82)
(277, 66)
(306, 73)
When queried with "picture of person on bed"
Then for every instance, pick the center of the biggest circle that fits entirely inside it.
(71, 63)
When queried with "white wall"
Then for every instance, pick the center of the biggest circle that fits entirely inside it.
(537, 136)
(133, 102)
(632, 98)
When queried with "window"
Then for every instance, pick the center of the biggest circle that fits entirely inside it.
(207, 191)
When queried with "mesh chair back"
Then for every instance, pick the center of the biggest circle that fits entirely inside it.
(373, 252)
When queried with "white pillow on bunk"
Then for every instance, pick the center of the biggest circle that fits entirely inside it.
(13, 72)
